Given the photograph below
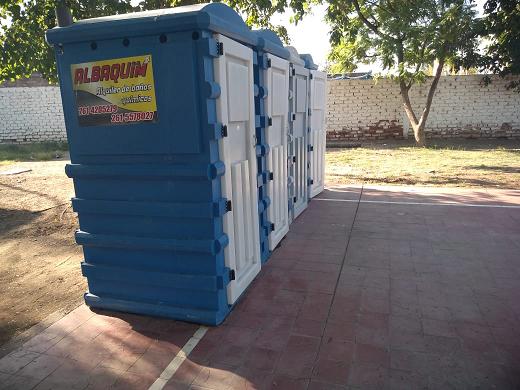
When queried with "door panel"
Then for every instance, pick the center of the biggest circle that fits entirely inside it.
(277, 108)
(299, 139)
(317, 133)
(235, 109)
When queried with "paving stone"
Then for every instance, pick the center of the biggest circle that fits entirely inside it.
(435, 327)
(261, 358)
(131, 381)
(101, 378)
(372, 354)
(221, 377)
(41, 367)
(407, 380)
(16, 382)
(16, 360)
(283, 382)
(308, 327)
(70, 375)
(339, 350)
(366, 375)
(332, 371)
(298, 357)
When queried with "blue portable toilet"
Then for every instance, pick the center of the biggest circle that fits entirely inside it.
(159, 110)
(298, 130)
(308, 61)
(272, 109)
(317, 102)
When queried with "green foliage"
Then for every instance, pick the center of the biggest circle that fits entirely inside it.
(23, 24)
(501, 27)
(405, 37)
(24, 50)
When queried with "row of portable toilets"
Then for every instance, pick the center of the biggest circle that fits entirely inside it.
(194, 144)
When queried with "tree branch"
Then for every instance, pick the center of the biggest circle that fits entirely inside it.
(418, 66)
(368, 23)
(373, 27)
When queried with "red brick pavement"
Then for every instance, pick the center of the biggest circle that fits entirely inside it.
(360, 295)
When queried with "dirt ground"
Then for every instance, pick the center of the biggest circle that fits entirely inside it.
(447, 163)
(39, 260)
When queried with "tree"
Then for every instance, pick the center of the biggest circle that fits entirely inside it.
(22, 39)
(501, 27)
(24, 50)
(404, 37)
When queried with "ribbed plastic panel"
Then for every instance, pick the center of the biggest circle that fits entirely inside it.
(298, 147)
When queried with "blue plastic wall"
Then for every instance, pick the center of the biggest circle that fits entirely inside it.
(262, 149)
(148, 195)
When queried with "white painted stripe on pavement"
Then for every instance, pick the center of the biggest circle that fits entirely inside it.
(421, 203)
(177, 361)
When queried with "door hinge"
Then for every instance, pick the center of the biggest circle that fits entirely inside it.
(309, 111)
(308, 164)
(311, 76)
(272, 227)
(310, 148)
(271, 176)
(269, 121)
(232, 275)
(311, 181)
(220, 48)
(293, 72)
(293, 117)
(224, 131)
(229, 206)
(294, 159)
(294, 199)
(268, 62)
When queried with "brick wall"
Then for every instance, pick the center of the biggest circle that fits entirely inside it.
(357, 110)
(31, 114)
(462, 107)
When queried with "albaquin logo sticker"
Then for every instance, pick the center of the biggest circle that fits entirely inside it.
(114, 92)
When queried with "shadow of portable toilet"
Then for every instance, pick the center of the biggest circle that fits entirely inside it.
(272, 110)
(159, 110)
(298, 129)
(317, 98)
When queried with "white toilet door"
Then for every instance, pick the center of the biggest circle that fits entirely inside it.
(317, 133)
(236, 109)
(299, 138)
(277, 110)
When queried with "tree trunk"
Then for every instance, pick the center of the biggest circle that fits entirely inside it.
(418, 125)
(419, 134)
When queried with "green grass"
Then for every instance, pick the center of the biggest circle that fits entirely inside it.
(43, 151)
(477, 163)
